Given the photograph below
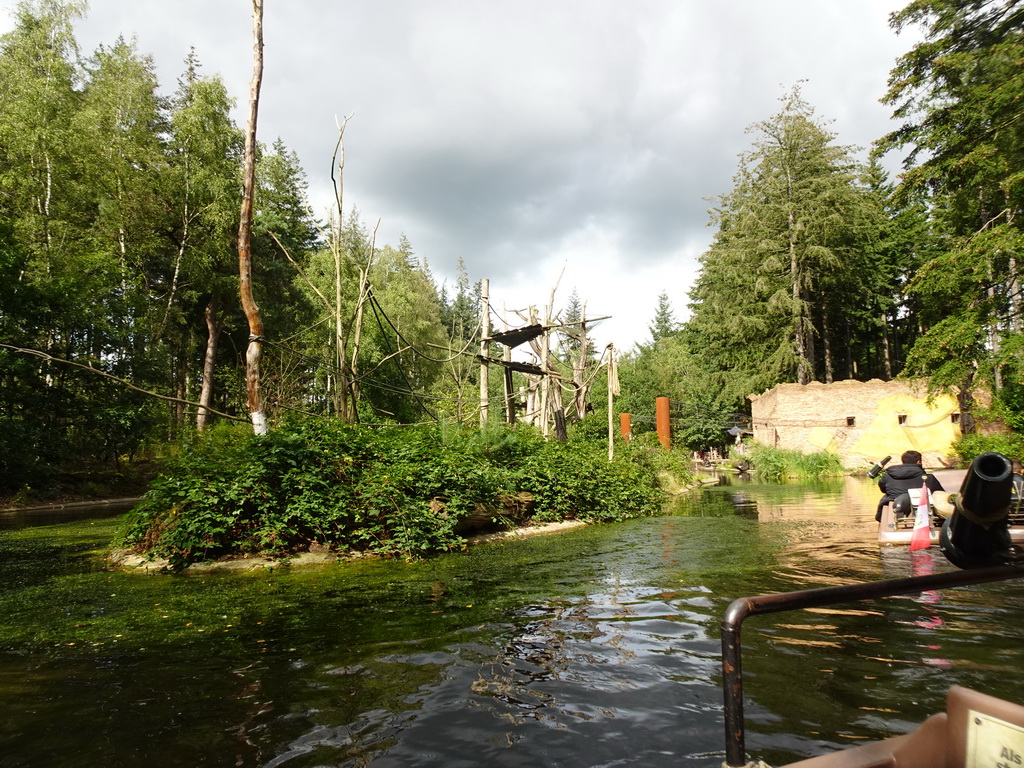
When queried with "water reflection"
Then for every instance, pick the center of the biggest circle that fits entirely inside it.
(596, 647)
(57, 514)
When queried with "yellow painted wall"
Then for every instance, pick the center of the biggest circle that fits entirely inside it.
(928, 429)
(824, 439)
(817, 416)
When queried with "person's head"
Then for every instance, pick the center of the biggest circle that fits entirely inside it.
(911, 457)
(1017, 466)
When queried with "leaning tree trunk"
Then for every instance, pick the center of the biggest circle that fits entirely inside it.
(252, 312)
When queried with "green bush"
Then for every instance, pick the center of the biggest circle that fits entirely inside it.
(780, 463)
(389, 490)
(576, 481)
(647, 451)
(819, 464)
(1010, 444)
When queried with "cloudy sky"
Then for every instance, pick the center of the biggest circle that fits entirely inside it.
(537, 138)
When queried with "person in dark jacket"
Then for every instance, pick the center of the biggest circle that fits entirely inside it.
(898, 481)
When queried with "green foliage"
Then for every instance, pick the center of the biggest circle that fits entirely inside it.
(787, 263)
(779, 463)
(646, 450)
(402, 337)
(1010, 444)
(392, 490)
(957, 97)
(1008, 407)
(594, 428)
(672, 368)
(117, 223)
(819, 464)
(575, 481)
(664, 323)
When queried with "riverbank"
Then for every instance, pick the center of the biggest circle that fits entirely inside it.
(317, 555)
(72, 506)
(82, 488)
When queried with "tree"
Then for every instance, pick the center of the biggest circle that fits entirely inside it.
(120, 124)
(884, 323)
(252, 311)
(38, 97)
(460, 317)
(202, 197)
(672, 368)
(957, 94)
(400, 352)
(789, 238)
(664, 323)
(62, 291)
(285, 235)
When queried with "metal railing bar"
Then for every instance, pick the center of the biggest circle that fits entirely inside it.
(743, 607)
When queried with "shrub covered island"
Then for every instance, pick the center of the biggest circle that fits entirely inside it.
(398, 490)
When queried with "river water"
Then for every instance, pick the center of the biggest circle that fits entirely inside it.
(593, 647)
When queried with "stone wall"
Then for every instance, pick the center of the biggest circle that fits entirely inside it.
(861, 421)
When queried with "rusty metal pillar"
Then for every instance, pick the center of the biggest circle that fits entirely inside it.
(661, 408)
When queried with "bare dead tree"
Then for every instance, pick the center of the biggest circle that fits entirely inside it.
(345, 394)
(252, 311)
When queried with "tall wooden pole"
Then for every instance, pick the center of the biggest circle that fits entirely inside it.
(346, 392)
(510, 402)
(485, 333)
(252, 312)
(613, 390)
(545, 381)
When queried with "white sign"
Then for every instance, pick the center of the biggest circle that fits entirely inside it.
(993, 743)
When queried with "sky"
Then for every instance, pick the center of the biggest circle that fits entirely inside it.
(574, 144)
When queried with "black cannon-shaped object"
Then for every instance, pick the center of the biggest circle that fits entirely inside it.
(877, 467)
(977, 534)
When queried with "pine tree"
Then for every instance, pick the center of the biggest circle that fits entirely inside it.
(958, 96)
(790, 239)
(664, 323)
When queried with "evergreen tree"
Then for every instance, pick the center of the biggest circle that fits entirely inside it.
(284, 235)
(664, 323)
(701, 411)
(458, 387)
(958, 95)
(402, 351)
(569, 338)
(789, 240)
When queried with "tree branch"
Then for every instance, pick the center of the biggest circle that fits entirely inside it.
(122, 382)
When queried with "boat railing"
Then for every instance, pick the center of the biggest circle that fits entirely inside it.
(744, 607)
(975, 538)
